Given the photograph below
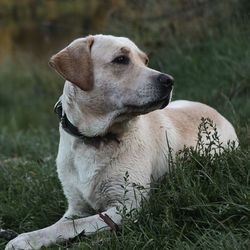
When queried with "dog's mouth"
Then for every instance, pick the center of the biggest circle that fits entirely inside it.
(151, 106)
(130, 111)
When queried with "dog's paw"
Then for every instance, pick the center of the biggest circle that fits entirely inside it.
(23, 242)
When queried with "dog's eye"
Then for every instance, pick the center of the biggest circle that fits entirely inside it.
(121, 60)
(146, 61)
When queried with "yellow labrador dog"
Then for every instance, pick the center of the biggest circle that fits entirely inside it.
(114, 121)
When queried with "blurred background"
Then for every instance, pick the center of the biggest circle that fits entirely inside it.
(204, 44)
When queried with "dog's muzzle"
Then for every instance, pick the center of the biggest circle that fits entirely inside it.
(165, 84)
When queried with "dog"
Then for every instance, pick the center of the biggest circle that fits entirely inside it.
(116, 119)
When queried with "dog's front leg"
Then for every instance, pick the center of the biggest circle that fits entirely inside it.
(65, 230)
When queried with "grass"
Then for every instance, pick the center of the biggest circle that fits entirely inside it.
(201, 204)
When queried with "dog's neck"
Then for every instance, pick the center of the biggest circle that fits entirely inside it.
(111, 135)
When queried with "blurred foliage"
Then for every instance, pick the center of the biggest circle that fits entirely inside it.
(41, 26)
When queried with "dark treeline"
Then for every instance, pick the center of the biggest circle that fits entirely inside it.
(31, 25)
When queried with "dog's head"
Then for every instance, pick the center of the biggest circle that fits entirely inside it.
(108, 81)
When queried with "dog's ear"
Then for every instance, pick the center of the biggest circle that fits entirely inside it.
(74, 63)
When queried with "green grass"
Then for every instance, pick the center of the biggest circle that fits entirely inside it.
(201, 204)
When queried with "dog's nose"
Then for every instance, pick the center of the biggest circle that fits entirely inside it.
(166, 80)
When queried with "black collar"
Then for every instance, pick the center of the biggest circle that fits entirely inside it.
(73, 130)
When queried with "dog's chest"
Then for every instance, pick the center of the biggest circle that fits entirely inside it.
(80, 170)
(87, 168)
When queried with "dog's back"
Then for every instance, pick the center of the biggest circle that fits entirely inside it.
(186, 118)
